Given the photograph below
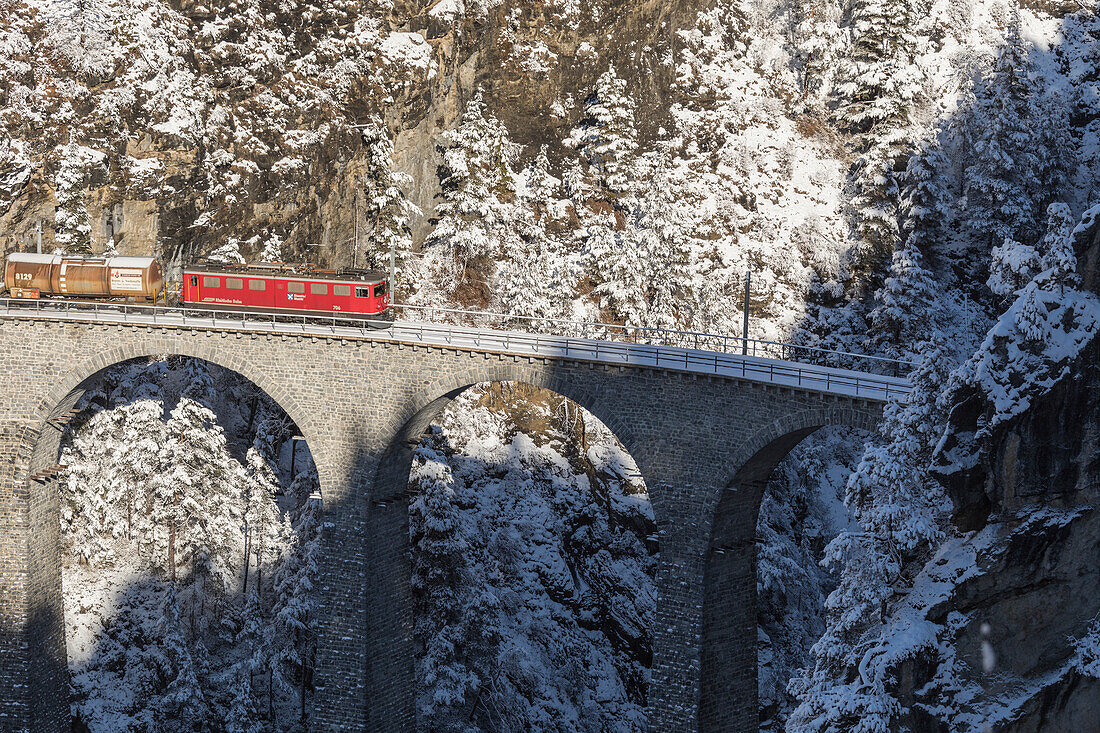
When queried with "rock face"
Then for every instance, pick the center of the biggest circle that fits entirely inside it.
(1029, 500)
(1050, 455)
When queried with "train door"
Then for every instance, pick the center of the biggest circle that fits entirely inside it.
(280, 294)
(191, 288)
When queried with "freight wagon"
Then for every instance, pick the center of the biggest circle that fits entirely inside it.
(29, 275)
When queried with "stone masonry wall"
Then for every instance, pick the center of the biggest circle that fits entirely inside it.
(361, 403)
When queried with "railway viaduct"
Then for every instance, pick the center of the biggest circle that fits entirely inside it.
(705, 445)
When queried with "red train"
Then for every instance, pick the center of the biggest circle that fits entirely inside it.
(287, 289)
(292, 289)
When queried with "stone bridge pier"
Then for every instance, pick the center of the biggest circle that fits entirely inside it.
(704, 445)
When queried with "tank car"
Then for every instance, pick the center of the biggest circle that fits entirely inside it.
(45, 276)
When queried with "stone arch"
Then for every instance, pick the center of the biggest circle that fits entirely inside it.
(40, 449)
(728, 665)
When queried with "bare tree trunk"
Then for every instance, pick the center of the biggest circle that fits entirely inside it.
(172, 540)
(260, 571)
(252, 413)
(247, 555)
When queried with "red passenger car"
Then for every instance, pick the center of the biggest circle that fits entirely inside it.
(291, 289)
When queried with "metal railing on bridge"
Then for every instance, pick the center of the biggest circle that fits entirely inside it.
(697, 340)
(766, 361)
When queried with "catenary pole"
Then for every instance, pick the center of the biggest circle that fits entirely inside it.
(745, 321)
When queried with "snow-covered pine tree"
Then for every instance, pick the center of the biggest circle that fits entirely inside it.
(537, 278)
(91, 512)
(474, 224)
(1018, 145)
(73, 229)
(139, 459)
(242, 716)
(925, 200)
(876, 84)
(819, 40)
(903, 305)
(540, 188)
(199, 487)
(1056, 254)
(438, 576)
(295, 599)
(262, 518)
(1012, 265)
(605, 137)
(647, 275)
(387, 212)
(181, 706)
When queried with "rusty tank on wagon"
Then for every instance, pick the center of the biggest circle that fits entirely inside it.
(29, 275)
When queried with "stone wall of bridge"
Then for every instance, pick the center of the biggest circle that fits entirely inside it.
(703, 445)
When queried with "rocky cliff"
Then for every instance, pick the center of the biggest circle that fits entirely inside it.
(1025, 496)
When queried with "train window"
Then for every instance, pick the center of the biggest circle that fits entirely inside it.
(194, 281)
(295, 287)
(379, 290)
(234, 283)
(318, 289)
(211, 282)
(341, 290)
(257, 284)
(362, 292)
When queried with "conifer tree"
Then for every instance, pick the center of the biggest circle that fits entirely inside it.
(1019, 148)
(197, 488)
(242, 716)
(605, 137)
(388, 212)
(902, 313)
(139, 459)
(262, 517)
(1012, 265)
(925, 200)
(182, 706)
(819, 41)
(437, 587)
(537, 277)
(73, 229)
(647, 275)
(876, 85)
(1056, 255)
(473, 224)
(295, 598)
(90, 513)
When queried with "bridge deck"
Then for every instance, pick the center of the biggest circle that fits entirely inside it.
(780, 372)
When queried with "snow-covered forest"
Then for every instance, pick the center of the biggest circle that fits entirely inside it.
(534, 564)
(190, 554)
(902, 178)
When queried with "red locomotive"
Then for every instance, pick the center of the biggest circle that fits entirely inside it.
(287, 289)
